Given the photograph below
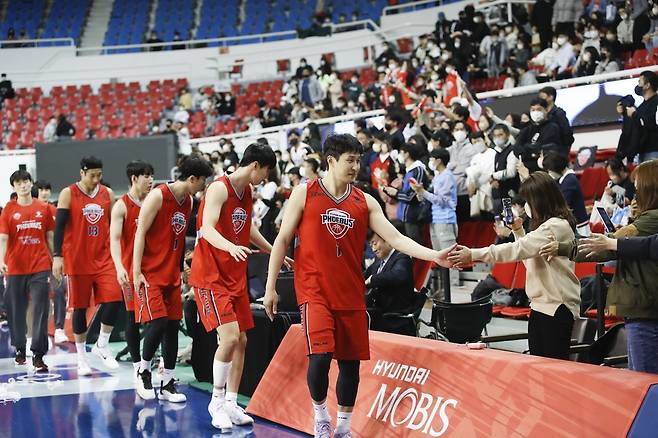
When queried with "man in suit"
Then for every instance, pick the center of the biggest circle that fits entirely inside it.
(390, 286)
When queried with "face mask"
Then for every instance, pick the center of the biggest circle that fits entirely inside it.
(519, 47)
(435, 77)
(392, 66)
(587, 57)
(526, 208)
(517, 212)
(391, 99)
(639, 90)
(443, 45)
(227, 163)
(592, 35)
(414, 63)
(432, 165)
(227, 98)
(500, 142)
(458, 44)
(483, 126)
(355, 80)
(377, 147)
(445, 57)
(302, 172)
(561, 41)
(459, 136)
(339, 105)
(623, 16)
(285, 157)
(536, 116)
(226, 149)
(362, 99)
(303, 64)
(401, 159)
(554, 45)
(610, 37)
(477, 20)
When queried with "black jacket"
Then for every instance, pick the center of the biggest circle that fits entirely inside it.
(647, 117)
(628, 140)
(534, 138)
(392, 290)
(559, 116)
(638, 247)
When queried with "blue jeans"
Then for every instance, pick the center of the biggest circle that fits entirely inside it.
(642, 338)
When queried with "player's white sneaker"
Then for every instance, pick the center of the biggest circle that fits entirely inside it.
(144, 386)
(237, 414)
(169, 392)
(322, 429)
(28, 347)
(60, 337)
(83, 368)
(106, 356)
(220, 418)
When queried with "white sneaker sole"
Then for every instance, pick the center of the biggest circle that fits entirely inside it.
(172, 400)
(108, 362)
(146, 394)
(84, 371)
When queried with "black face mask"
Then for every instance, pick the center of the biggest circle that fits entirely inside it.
(639, 90)
(294, 141)
(388, 126)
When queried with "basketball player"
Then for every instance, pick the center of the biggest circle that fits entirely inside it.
(157, 265)
(332, 217)
(26, 242)
(122, 236)
(82, 252)
(219, 276)
(44, 190)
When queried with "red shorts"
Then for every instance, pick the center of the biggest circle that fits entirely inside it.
(155, 302)
(217, 308)
(128, 297)
(341, 332)
(103, 285)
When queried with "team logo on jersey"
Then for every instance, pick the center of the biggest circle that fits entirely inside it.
(16, 216)
(93, 213)
(338, 222)
(38, 214)
(239, 219)
(178, 222)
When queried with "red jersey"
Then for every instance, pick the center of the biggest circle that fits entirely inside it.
(380, 167)
(86, 247)
(128, 232)
(213, 268)
(52, 210)
(165, 240)
(26, 227)
(331, 243)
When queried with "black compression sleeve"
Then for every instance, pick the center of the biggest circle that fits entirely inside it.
(60, 223)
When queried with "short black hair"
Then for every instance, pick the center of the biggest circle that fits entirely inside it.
(259, 153)
(20, 175)
(551, 91)
(314, 164)
(194, 166)
(136, 168)
(414, 150)
(539, 101)
(339, 144)
(294, 171)
(467, 127)
(462, 112)
(555, 161)
(650, 78)
(42, 184)
(616, 165)
(90, 162)
(441, 154)
(501, 127)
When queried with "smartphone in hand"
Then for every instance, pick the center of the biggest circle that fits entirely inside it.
(508, 215)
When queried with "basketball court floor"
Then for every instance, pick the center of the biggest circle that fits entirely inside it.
(60, 404)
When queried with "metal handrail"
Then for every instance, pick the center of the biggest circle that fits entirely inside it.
(387, 10)
(225, 40)
(36, 42)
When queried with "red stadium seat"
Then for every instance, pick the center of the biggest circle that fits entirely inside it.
(405, 45)
(181, 83)
(11, 141)
(56, 91)
(282, 65)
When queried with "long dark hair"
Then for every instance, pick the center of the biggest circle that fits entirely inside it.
(543, 195)
(646, 181)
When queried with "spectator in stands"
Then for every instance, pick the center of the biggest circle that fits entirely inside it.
(154, 39)
(310, 91)
(627, 141)
(382, 169)
(641, 21)
(390, 285)
(557, 115)
(552, 287)
(353, 88)
(608, 62)
(542, 12)
(625, 30)
(632, 293)
(50, 131)
(620, 190)
(526, 77)
(650, 39)
(557, 166)
(565, 15)
(562, 65)
(409, 206)
(478, 175)
(226, 106)
(6, 88)
(311, 169)
(394, 125)
(504, 179)
(185, 99)
(588, 62)
(442, 194)
(311, 136)
(65, 130)
(299, 73)
(177, 39)
(461, 153)
(295, 177)
(647, 115)
(496, 55)
(182, 133)
(266, 197)
(11, 36)
(297, 149)
(541, 134)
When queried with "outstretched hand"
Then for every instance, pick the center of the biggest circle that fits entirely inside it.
(460, 256)
(550, 249)
(442, 257)
(596, 243)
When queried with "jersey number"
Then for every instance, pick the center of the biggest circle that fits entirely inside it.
(92, 230)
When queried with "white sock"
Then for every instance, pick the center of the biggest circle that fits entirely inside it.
(232, 397)
(321, 412)
(144, 365)
(167, 375)
(80, 348)
(343, 422)
(136, 366)
(103, 339)
(220, 372)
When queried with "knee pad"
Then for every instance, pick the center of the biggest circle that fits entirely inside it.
(347, 385)
(79, 321)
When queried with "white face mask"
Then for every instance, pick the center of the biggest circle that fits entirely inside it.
(561, 41)
(432, 165)
(537, 116)
(500, 142)
(302, 171)
(526, 207)
(554, 45)
(401, 159)
(376, 147)
(459, 136)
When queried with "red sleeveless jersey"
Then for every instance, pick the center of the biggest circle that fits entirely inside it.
(213, 268)
(329, 253)
(86, 247)
(128, 232)
(165, 240)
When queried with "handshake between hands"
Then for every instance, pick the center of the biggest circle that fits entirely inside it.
(456, 257)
